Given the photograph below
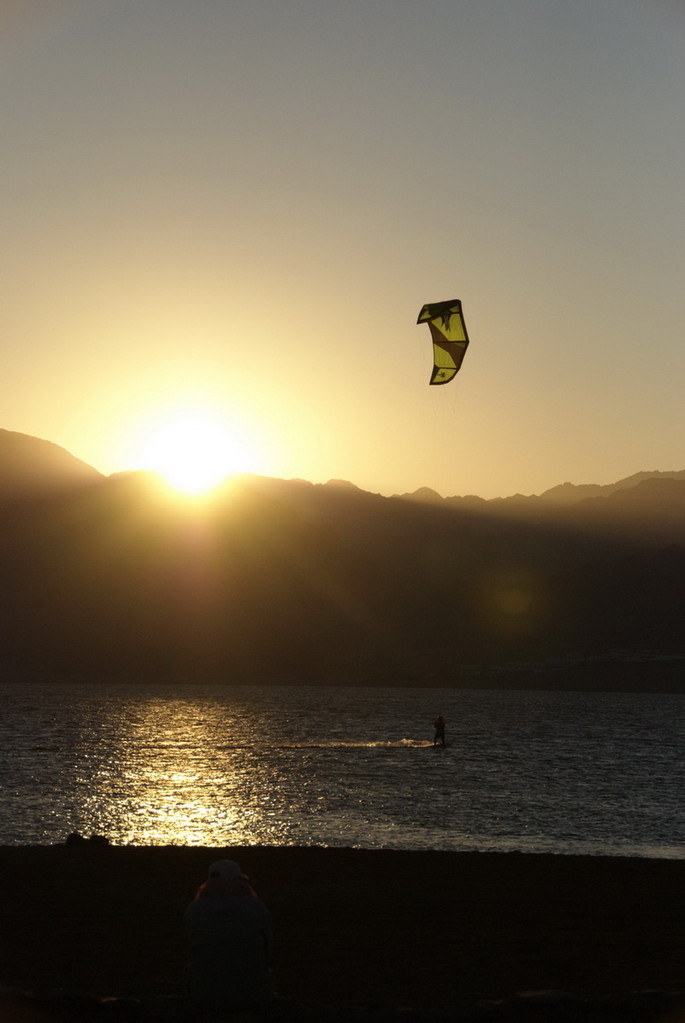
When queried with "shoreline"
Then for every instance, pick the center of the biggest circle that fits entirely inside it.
(352, 926)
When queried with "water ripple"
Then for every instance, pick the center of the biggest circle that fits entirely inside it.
(210, 765)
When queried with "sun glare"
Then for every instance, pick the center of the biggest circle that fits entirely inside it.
(195, 452)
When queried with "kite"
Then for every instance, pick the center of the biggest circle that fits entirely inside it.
(450, 339)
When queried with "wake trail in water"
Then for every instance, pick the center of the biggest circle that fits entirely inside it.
(356, 744)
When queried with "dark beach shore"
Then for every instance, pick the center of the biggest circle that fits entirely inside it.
(353, 927)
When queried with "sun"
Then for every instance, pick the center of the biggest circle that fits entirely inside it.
(195, 451)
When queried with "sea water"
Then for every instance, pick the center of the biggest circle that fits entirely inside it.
(575, 773)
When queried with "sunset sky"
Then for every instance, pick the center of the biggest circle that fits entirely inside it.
(232, 211)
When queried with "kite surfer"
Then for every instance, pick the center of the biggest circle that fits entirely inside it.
(439, 737)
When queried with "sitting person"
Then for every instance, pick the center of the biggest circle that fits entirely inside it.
(230, 937)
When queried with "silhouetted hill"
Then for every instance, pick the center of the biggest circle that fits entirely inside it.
(32, 466)
(278, 580)
(570, 493)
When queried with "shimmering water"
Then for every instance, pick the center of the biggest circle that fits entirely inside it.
(210, 765)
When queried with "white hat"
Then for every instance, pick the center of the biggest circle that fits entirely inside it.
(227, 870)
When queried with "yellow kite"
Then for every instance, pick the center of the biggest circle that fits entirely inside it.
(450, 339)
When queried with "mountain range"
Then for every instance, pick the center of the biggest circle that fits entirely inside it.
(287, 581)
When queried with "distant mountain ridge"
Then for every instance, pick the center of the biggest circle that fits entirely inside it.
(569, 493)
(562, 494)
(290, 581)
(31, 464)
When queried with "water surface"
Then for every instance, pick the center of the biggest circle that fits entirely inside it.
(211, 765)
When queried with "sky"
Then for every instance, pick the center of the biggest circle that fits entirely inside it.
(232, 211)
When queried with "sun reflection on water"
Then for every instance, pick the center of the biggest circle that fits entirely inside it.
(151, 785)
(193, 772)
